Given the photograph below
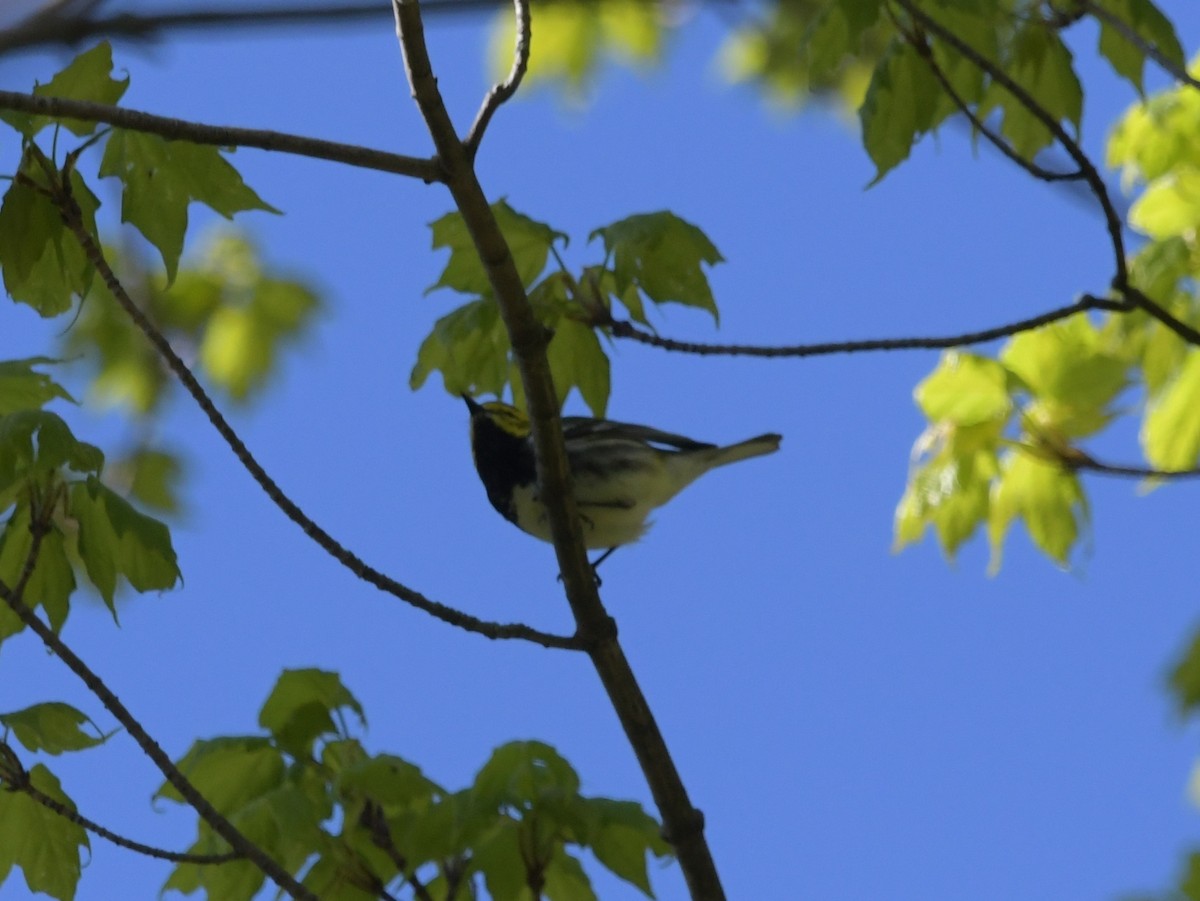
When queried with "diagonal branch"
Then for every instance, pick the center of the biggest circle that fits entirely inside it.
(39, 524)
(503, 91)
(222, 135)
(683, 823)
(95, 255)
(1148, 48)
(623, 329)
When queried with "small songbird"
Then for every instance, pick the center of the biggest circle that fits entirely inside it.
(620, 472)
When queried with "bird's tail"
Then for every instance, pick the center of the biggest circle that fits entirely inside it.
(744, 450)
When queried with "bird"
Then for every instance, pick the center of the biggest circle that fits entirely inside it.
(619, 472)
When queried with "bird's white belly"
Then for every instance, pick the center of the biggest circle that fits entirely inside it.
(603, 526)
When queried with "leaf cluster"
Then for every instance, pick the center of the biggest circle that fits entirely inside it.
(652, 257)
(353, 823)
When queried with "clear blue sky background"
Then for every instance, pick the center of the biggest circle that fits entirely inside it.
(854, 724)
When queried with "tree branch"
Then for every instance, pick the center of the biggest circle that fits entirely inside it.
(1178, 326)
(75, 27)
(622, 329)
(503, 91)
(981, 127)
(1148, 49)
(683, 824)
(1088, 169)
(1088, 464)
(15, 778)
(95, 255)
(223, 136)
(39, 524)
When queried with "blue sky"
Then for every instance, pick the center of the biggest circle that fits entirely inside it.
(854, 724)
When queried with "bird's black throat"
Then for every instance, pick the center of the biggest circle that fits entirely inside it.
(504, 461)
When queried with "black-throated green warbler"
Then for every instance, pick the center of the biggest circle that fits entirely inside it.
(620, 472)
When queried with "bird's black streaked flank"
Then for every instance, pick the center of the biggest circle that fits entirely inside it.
(620, 472)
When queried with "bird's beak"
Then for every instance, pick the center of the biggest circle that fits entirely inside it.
(471, 405)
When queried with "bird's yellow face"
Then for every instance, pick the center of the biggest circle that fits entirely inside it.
(507, 417)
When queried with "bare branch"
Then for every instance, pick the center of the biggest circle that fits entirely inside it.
(75, 26)
(223, 136)
(623, 329)
(683, 823)
(1090, 174)
(1148, 49)
(95, 255)
(503, 91)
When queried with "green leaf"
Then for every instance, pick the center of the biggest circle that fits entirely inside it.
(1042, 65)
(835, 33)
(161, 178)
(1185, 678)
(117, 540)
(44, 845)
(949, 491)
(87, 77)
(53, 579)
(230, 772)
(388, 781)
(1171, 430)
(573, 37)
(23, 388)
(578, 361)
(470, 347)
(1145, 20)
(44, 265)
(1073, 370)
(52, 727)
(154, 477)
(1170, 206)
(1046, 497)
(300, 708)
(662, 256)
(236, 351)
(499, 856)
(621, 837)
(37, 442)
(566, 880)
(522, 772)
(965, 389)
(529, 241)
(898, 108)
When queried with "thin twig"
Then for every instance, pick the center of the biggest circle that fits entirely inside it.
(1090, 174)
(39, 525)
(148, 850)
(503, 91)
(76, 28)
(1087, 464)
(981, 127)
(95, 255)
(1148, 48)
(683, 823)
(223, 136)
(623, 329)
(1178, 326)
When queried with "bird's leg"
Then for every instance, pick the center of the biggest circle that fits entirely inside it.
(596, 563)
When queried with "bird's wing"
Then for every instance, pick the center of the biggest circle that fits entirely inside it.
(577, 428)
